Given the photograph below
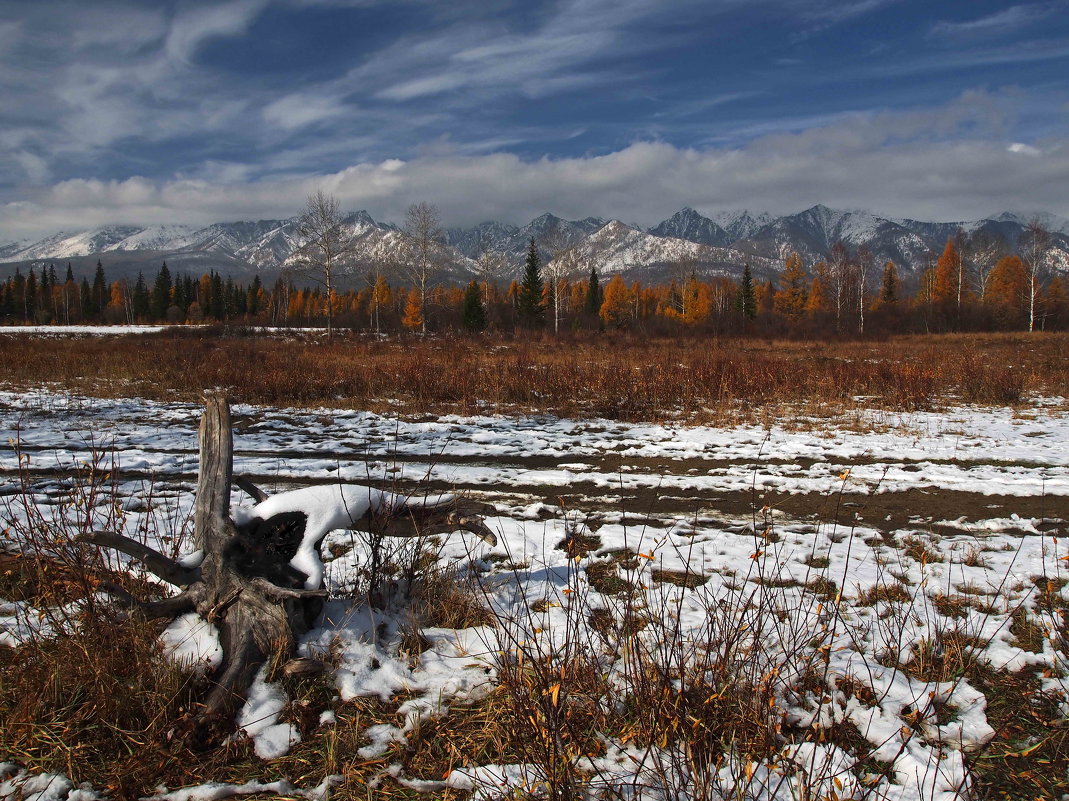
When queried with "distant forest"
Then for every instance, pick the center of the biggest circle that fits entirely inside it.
(840, 295)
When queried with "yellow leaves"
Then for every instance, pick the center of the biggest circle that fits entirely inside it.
(554, 693)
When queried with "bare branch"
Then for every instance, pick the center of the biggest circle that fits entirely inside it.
(165, 607)
(328, 242)
(157, 564)
(245, 484)
(277, 593)
(416, 522)
(176, 605)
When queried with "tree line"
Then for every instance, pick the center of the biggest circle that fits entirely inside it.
(975, 284)
(41, 298)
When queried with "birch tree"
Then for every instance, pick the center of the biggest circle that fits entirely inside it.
(1035, 246)
(562, 265)
(981, 252)
(423, 235)
(327, 246)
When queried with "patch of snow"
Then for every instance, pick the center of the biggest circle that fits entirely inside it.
(259, 719)
(191, 640)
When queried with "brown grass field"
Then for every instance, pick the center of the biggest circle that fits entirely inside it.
(98, 703)
(612, 376)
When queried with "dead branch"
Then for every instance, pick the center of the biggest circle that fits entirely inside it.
(159, 565)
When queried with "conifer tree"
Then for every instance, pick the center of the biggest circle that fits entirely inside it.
(765, 297)
(141, 299)
(413, 314)
(473, 316)
(230, 302)
(946, 281)
(217, 301)
(1056, 303)
(178, 297)
(616, 307)
(819, 300)
(45, 287)
(593, 292)
(70, 272)
(29, 298)
(889, 286)
(100, 292)
(791, 299)
(746, 299)
(252, 302)
(529, 298)
(1008, 290)
(161, 293)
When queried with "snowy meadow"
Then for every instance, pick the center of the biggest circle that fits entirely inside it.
(869, 604)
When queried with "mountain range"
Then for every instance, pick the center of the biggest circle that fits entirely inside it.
(717, 244)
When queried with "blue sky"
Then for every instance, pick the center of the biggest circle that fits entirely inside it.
(185, 112)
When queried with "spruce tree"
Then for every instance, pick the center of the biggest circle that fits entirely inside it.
(141, 299)
(161, 293)
(593, 293)
(70, 273)
(529, 299)
(474, 314)
(100, 291)
(746, 300)
(44, 291)
(218, 302)
(179, 297)
(29, 298)
(253, 300)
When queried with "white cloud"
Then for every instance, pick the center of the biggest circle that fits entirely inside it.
(1028, 150)
(1001, 22)
(192, 26)
(300, 109)
(898, 165)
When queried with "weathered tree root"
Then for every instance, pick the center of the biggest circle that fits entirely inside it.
(244, 583)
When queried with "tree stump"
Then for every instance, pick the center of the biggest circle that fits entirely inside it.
(245, 584)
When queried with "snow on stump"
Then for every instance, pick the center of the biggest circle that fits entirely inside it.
(260, 583)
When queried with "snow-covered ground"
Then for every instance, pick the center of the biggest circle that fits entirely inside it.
(987, 451)
(80, 330)
(889, 583)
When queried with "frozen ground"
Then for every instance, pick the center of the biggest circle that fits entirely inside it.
(900, 512)
(79, 330)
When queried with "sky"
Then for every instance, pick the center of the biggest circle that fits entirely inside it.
(120, 111)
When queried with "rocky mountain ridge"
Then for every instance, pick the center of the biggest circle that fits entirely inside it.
(720, 244)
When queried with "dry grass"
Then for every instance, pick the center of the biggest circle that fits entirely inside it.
(608, 376)
(100, 705)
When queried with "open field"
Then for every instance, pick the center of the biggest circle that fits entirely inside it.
(823, 596)
(698, 380)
